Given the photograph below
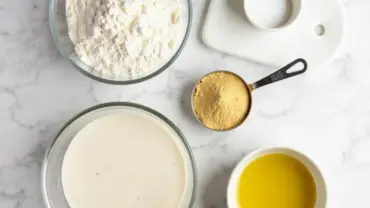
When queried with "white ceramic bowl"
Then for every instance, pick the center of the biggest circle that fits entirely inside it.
(294, 11)
(321, 194)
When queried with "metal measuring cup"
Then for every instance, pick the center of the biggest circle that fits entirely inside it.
(274, 77)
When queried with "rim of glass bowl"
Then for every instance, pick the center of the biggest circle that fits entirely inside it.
(119, 104)
(111, 81)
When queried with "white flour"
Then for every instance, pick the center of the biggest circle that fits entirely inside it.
(125, 39)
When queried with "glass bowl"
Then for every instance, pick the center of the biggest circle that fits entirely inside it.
(59, 30)
(51, 184)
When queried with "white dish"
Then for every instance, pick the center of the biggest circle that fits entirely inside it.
(293, 11)
(321, 197)
(227, 29)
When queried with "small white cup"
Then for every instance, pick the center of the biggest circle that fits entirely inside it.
(321, 195)
(296, 6)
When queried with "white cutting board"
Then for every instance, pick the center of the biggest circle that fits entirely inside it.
(227, 30)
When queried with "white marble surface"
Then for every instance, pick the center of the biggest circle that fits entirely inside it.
(324, 114)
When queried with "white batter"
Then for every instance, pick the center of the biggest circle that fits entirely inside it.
(124, 161)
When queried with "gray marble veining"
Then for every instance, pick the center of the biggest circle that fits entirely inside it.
(325, 114)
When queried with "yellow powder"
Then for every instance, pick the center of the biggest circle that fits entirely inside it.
(221, 100)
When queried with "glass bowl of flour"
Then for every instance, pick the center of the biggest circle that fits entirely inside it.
(120, 41)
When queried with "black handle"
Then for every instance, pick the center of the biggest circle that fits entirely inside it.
(281, 74)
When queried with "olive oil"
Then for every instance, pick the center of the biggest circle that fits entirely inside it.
(276, 181)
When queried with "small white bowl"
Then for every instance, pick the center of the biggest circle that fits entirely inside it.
(296, 6)
(321, 195)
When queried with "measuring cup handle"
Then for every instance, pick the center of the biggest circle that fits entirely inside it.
(281, 74)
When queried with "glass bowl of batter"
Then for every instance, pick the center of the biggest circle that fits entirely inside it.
(124, 153)
(108, 42)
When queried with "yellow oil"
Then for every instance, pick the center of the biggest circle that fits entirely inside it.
(276, 181)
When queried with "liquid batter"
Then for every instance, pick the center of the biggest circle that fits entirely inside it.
(124, 161)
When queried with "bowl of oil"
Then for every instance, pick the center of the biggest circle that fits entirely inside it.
(276, 177)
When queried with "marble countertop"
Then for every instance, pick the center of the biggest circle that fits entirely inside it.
(325, 114)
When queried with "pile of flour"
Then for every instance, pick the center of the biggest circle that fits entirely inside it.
(124, 39)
